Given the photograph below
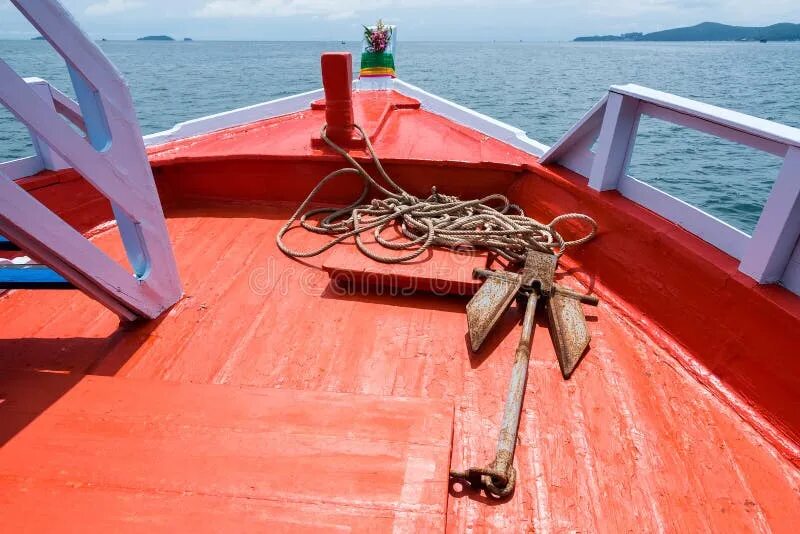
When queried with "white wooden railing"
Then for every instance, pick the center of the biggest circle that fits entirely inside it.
(108, 151)
(772, 253)
(45, 158)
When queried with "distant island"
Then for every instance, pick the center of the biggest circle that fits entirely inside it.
(187, 39)
(155, 38)
(709, 31)
(38, 38)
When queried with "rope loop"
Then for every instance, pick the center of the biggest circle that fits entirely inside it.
(492, 223)
(563, 244)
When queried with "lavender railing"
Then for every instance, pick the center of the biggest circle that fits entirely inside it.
(772, 253)
(108, 151)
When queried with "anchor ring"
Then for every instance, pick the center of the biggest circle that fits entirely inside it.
(496, 484)
(499, 491)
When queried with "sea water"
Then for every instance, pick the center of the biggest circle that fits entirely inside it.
(542, 88)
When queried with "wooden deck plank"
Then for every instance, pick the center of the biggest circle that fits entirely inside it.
(205, 266)
(353, 455)
(130, 511)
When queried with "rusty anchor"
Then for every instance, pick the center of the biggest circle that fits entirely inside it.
(568, 330)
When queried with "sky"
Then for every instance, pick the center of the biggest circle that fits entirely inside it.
(417, 20)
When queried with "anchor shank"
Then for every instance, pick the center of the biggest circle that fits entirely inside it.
(516, 390)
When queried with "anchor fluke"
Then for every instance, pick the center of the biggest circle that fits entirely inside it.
(488, 304)
(568, 330)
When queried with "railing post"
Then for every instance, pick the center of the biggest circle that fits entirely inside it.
(99, 136)
(778, 228)
(615, 144)
(50, 159)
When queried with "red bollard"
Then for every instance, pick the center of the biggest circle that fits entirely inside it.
(337, 79)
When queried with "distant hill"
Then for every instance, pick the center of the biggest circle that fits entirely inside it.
(710, 31)
(156, 38)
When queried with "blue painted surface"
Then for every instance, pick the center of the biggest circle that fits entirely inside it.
(100, 138)
(5, 244)
(31, 277)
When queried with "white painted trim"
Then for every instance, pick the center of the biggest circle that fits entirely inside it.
(472, 119)
(615, 144)
(51, 160)
(579, 159)
(712, 128)
(767, 129)
(778, 228)
(705, 226)
(374, 83)
(62, 103)
(236, 117)
(791, 277)
(22, 168)
(588, 126)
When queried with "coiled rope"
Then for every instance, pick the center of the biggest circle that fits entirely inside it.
(492, 222)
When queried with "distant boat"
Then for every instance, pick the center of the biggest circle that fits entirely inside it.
(187, 39)
(39, 38)
(762, 40)
(344, 42)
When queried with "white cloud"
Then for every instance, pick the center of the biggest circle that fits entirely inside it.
(110, 7)
(331, 9)
(622, 9)
(342, 15)
(265, 8)
(425, 19)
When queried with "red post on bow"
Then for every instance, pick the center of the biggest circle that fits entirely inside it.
(337, 79)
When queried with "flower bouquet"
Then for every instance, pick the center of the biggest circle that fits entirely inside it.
(377, 53)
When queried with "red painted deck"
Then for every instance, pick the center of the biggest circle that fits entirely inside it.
(632, 427)
(673, 422)
(122, 455)
(400, 131)
(438, 271)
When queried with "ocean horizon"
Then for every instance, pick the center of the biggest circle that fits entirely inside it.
(541, 87)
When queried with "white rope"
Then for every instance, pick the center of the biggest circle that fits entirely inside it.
(491, 222)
